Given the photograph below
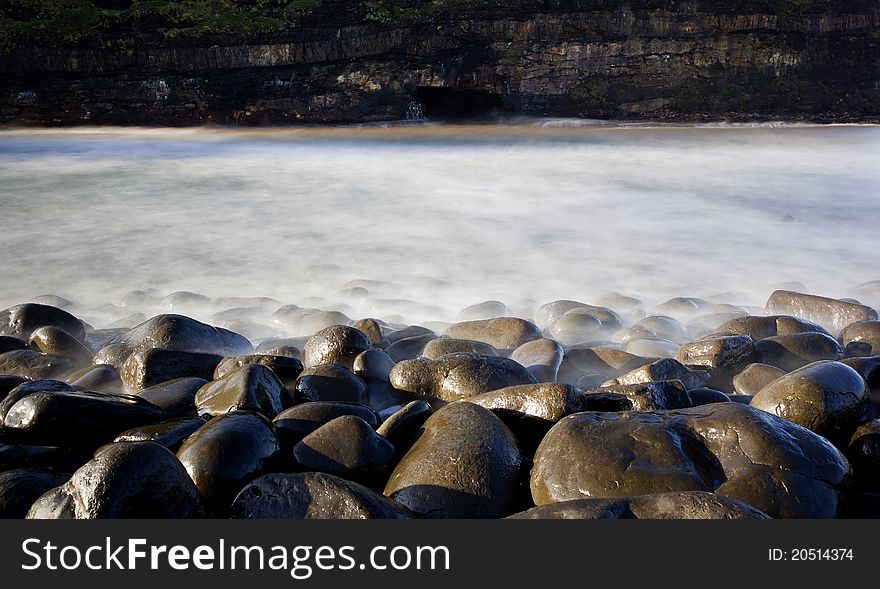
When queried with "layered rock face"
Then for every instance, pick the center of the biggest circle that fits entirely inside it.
(772, 59)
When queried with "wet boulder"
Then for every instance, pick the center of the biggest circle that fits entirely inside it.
(157, 365)
(19, 489)
(305, 321)
(826, 397)
(34, 365)
(484, 310)
(295, 423)
(9, 343)
(338, 344)
(707, 396)
(759, 327)
(723, 447)
(653, 347)
(371, 328)
(313, 495)
(329, 382)
(544, 402)
(346, 446)
(659, 395)
(863, 452)
(442, 346)
(170, 434)
(664, 369)
(176, 397)
(20, 321)
(505, 334)
(226, 453)
(8, 383)
(792, 351)
(574, 328)
(665, 327)
(124, 480)
(373, 365)
(616, 455)
(401, 427)
(286, 368)
(72, 417)
(253, 387)
(832, 314)
(172, 332)
(465, 464)
(755, 377)
(458, 376)
(728, 354)
(54, 341)
(102, 378)
(408, 348)
(866, 332)
(675, 505)
(611, 362)
(541, 357)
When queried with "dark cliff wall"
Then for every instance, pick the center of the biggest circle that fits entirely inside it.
(657, 60)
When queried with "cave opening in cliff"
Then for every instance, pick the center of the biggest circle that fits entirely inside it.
(452, 104)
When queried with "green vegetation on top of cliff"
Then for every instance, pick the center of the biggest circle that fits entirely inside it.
(123, 24)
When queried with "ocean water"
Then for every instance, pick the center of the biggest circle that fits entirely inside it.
(444, 216)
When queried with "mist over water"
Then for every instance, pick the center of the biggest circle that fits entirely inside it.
(450, 215)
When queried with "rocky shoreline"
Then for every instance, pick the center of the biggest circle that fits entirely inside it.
(615, 409)
(642, 60)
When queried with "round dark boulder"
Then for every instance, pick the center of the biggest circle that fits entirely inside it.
(175, 397)
(329, 382)
(675, 505)
(20, 321)
(458, 376)
(338, 344)
(346, 446)
(286, 368)
(792, 351)
(826, 397)
(313, 495)
(124, 480)
(72, 418)
(20, 488)
(227, 452)
(170, 434)
(465, 464)
(293, 424)
(34, 365)
(253, 387)
(54, 341)
(401, 427)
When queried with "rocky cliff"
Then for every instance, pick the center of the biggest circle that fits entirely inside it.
(349, 61)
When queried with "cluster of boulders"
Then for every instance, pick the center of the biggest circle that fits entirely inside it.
(689, 409)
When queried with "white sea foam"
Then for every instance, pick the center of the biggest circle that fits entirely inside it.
(451, 215)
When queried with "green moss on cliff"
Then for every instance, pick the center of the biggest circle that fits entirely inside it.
(122, 23)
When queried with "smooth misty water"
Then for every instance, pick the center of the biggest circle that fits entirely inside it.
(451, 215)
